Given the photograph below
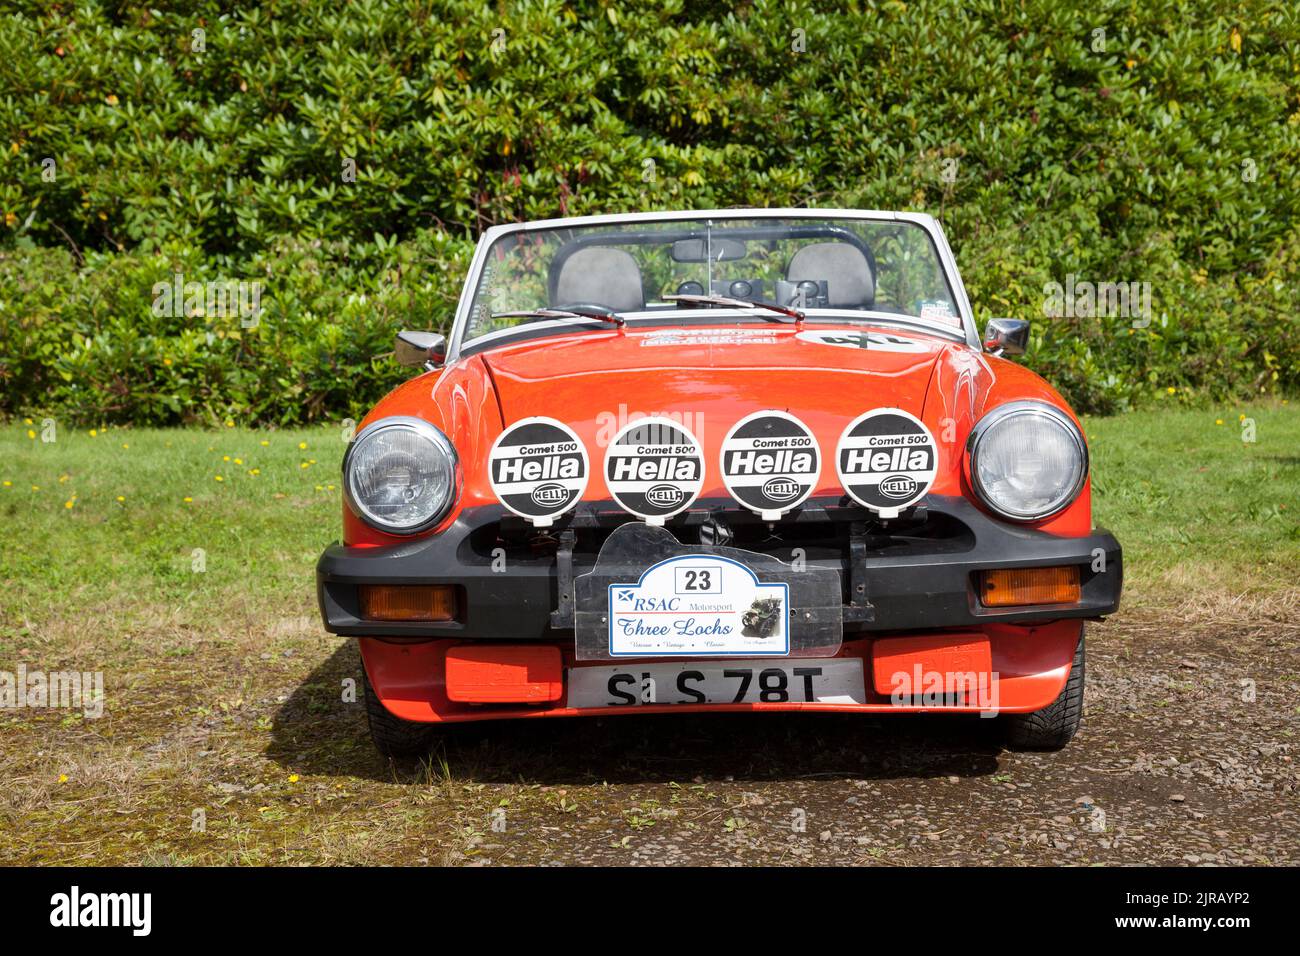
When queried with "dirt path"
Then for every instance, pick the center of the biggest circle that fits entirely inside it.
(1181, 760)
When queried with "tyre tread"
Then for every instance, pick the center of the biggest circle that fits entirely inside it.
(392, 736)
(1052, 727)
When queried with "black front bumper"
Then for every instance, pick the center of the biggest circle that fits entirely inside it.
(915, 573)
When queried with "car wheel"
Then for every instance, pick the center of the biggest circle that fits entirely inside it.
(393, 736)
(1052, 727)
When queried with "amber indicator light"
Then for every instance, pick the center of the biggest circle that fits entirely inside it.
(1011, 587)
(407, 602)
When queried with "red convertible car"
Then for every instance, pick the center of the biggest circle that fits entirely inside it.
(742, 460)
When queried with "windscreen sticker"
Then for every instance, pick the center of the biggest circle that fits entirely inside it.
(876, 341)
(707, 336)
(699, 605)
(654, 468)
(770, 463)
(886, 460)
(538, 469)
(936, 310)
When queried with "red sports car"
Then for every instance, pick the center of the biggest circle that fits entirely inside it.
(742, 460)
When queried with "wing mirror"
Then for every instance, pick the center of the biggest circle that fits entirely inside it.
(428, 349)
(1006, 336)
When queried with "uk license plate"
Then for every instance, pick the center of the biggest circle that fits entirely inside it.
(809, 680)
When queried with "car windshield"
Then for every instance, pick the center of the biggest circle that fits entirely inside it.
(823, 267)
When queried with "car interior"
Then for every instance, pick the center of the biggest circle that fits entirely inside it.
(837, 272)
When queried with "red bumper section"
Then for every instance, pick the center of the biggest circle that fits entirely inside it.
(444, 681)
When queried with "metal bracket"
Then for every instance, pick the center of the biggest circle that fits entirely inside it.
(859, 607)
(562, 616)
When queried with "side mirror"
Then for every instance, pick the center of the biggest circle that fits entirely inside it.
(420, 349)
(1006, 336)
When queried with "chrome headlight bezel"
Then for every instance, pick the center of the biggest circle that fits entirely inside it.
(442, 445)
(1005, 413)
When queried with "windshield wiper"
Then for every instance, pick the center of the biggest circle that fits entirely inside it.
(796, 314)
(600, 316)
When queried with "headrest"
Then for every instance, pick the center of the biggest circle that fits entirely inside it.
(600, 275)
(849, 282)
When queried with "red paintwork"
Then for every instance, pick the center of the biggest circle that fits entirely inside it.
(967, 653)
(1032, 664)
(595, 380)
(587, 377)
(504, 673)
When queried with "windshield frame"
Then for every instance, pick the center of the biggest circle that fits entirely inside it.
(967, 332)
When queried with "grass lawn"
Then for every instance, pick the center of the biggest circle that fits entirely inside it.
(181, 564)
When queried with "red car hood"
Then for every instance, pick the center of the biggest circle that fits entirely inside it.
(715, 375)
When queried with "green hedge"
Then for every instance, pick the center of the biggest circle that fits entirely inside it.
(1166, 152)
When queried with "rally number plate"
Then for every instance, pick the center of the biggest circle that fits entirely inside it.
(649, 595)
(811, 680)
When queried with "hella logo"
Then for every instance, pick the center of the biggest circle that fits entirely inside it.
(898, 487)
(780, 489)
(549, 494)
(665, 496)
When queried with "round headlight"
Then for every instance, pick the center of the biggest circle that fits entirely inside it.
(1027, 460)
(400, 475)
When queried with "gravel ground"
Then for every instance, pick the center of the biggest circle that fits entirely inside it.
(244, 753)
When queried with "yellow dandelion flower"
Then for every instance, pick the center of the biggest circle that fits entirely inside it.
(1171, 390)
(230, 423)
(187, 499)
(218, 478)
(93, 433)
(239, 461)
(302, 446)
(27, 421)
(125, 445)
(329, 487)
(36, 487)
(30, 433)
(120, 498)
(225, 458)
(255, 472)
(9, 484)
(167, 361)
(1218, 421)
(320, 487)
(304, 465)
(69, 503)
(62, 478)
(293, 778)
(111, 99)
(63, 778)
(265, 443)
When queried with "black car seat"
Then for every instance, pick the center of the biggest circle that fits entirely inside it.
(600, 275)
(850, 283)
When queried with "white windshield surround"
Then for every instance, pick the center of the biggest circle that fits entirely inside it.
(967, 333)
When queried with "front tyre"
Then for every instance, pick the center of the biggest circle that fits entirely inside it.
(1052, 727)
(393, 736)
